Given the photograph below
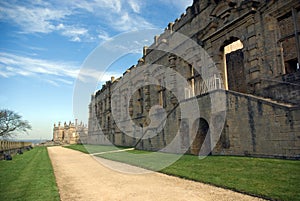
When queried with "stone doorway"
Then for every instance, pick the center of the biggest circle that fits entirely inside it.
(200, 129)
(234, 67)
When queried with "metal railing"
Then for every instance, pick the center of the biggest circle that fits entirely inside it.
(210, 84)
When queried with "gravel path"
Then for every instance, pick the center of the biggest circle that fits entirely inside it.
(80, 177)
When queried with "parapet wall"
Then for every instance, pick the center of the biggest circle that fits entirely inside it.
(258, 127)
(10, 148)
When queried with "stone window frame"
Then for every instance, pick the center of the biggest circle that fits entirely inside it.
(293, 13)
(227, 49)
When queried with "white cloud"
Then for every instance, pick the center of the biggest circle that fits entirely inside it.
(56, 81)
(53, 72)
(181, 5)
(12, 65)
(127, 22)
(135, 5)
(115, 14)
(52, 82)
(60, 26)
(59, 16)
(95, 5)
(91, 75)
(74, 33)
(103, 35)
(32, 19)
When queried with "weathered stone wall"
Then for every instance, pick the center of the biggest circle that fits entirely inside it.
(258, 127)
(285, 88)
(260, 80)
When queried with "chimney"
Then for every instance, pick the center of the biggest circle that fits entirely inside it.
(112, 79)
(156, 39)
(170, 26)
(145, 51)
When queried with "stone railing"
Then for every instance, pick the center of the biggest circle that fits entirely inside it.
(10, 148)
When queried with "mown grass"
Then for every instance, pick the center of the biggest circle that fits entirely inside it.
(90, 149)
(28, 177)
(269, 178)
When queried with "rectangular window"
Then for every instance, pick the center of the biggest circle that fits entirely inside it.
(160, 98)
(289, 41)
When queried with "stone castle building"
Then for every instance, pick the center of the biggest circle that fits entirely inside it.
(69, 133)
(255, 49)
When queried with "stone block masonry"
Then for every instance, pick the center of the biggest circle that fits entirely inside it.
(255, 48)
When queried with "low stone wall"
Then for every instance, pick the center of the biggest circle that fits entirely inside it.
(12, 148)
(258, 127)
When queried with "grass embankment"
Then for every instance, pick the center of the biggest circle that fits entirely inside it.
(268, 178)
(28, 177)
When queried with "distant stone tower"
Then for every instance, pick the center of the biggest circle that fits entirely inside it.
(69, 133)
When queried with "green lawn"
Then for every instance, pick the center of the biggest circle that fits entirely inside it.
(89, 149)
(269, 178)
(28, 177)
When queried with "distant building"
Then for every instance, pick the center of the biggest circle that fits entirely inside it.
(69, 133)
(255, 46)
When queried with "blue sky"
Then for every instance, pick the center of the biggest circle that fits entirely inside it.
(44, 44)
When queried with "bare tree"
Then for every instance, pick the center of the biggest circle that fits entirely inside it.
(11, 123)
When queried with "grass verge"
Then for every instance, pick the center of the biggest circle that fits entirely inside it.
(28, 177)
(269, 178)
(90, 149)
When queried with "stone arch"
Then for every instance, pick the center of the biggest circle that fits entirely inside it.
(200, 130)
(234, 69)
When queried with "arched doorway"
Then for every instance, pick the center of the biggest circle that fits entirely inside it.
(235, 78)
(200, 129)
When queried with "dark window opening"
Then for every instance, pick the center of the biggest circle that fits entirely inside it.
(291, 66)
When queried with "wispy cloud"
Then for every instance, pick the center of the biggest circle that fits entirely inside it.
(32, 19)
(126, 22)
(120, 15)
(179, 4)
(103, 35)
(75, 33)
(135, 5)
(60, 16)
(95, 75)
(93, 5)
(53, 72)
(13, 65)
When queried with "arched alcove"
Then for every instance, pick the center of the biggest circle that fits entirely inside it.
(200, 130)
